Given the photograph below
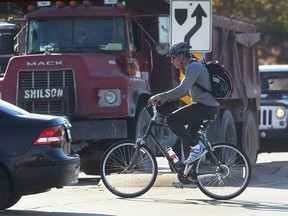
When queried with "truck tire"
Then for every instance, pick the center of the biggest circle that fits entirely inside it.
(142, 123)
(91, 167)
(163, 134)
(228, 128)
(250, 137)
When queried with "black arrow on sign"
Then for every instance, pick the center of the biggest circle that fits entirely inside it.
(199, 13)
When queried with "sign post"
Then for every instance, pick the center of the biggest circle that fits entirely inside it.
(191, 22)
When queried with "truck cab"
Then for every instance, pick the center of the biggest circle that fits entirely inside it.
(97, 65)
(274, 106)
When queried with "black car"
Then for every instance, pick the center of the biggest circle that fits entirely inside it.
(35, 154)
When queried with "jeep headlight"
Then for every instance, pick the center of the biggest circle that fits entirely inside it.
(109, 97)
(280, 112)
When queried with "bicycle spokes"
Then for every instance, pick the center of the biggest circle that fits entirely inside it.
(225, 178)
(128, 171)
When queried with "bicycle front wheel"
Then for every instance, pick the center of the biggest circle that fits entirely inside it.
(227, 180)
(127, 171)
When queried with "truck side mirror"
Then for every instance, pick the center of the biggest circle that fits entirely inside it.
(162, 47)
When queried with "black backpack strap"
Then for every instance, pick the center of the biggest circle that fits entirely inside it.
(193, 59)
(197, 84)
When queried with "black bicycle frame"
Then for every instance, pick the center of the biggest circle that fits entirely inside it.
(148, 133)
(178, 168)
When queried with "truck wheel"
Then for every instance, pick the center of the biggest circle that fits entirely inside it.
(164, 135)
(250, 137)
(142, 123)
(228, 128)
(91, 167)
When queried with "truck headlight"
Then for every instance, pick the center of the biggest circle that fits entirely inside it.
(280, 112)
(109, 97)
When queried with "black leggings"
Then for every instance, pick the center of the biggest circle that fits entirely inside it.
(192, 115)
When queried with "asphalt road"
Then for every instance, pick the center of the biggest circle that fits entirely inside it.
(266, 195)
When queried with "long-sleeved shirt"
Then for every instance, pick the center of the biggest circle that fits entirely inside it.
(195, 71)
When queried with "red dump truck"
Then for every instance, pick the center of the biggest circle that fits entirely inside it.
(98, 64)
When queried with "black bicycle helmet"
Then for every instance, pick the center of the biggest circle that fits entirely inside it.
(178, 48)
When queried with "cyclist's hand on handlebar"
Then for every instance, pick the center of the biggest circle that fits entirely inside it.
(156, 100)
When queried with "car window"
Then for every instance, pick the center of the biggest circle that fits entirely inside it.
(77, 34)
(11, 109)
(274, 82)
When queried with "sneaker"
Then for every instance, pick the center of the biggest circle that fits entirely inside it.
(195, 153)
(183, 185)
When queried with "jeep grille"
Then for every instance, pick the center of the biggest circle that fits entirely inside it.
(268, 120)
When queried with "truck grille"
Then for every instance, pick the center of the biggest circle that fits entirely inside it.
(46, 81)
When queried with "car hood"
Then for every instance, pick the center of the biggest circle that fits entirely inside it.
(279, 98)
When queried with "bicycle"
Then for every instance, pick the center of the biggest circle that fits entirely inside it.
(129, 169)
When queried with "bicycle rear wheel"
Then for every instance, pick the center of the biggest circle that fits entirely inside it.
(228, 180)
(127, 171)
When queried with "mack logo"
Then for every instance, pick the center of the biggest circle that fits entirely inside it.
(43, 93)
(44, 63)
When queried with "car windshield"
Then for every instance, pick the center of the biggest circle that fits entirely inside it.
(76, 35)
(274, 82)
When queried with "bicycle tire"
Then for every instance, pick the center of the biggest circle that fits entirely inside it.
(121, 181)
(231, 180)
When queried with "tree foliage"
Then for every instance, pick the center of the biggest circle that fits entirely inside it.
(270, 17)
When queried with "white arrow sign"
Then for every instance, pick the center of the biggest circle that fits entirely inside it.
(191, 21)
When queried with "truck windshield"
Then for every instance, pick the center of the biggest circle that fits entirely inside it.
(274, 82)
(76, 35)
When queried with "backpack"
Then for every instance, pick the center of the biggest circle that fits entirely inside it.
(221, 80)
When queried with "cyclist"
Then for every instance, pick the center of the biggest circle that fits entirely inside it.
(203, 104)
